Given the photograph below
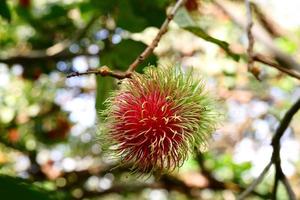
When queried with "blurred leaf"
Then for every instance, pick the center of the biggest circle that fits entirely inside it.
(287, 84)
(128, 20)
(4, 10)
(184, 20)
(286, 44)
(224, 45)
(104, 6)
(85, 7)
(24, 14)
(134, 15)
(55, 11)
(152, 11)
(190, 165)
(224, 167)
(12, 188)
(48, 25)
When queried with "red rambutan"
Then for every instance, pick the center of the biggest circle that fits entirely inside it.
(157, 118)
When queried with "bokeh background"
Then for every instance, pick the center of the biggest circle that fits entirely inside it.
(49, 125)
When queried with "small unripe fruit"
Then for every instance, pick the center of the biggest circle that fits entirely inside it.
(156, 119)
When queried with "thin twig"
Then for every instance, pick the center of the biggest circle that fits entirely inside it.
(249, 35)
(251, 187)
(285, 123)
(275, 185)
(106, 71)
(268, 61)
(259, 34)
(218, 184)
(279, 175)
(275, 159)
(268, 24)
(288, 188)
(122, 188)
(54, 52)
(103, 71)
(287, 63)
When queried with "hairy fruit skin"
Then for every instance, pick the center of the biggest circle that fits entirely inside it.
(157, 118)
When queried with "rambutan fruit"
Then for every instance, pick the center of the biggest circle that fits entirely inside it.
(157, 118)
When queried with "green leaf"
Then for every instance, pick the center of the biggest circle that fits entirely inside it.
(134, 15)
(13, 188)
(128, 20)
(224, 45)
(55, 11)
(104, 6)
(152, 11)
(184, 20)
(4, 10)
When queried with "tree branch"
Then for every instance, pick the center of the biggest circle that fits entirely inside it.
(251, 187)
(250, 39)
(36, 56)
(161, 32)
(55, 52)
(275, 159)
(285, 123)
(275, 185)
(214, 183)
(288, 188)
(103, 71)
(106, 71)
(279, 175)
(272, 28)
(284, 59)
(268, 61)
